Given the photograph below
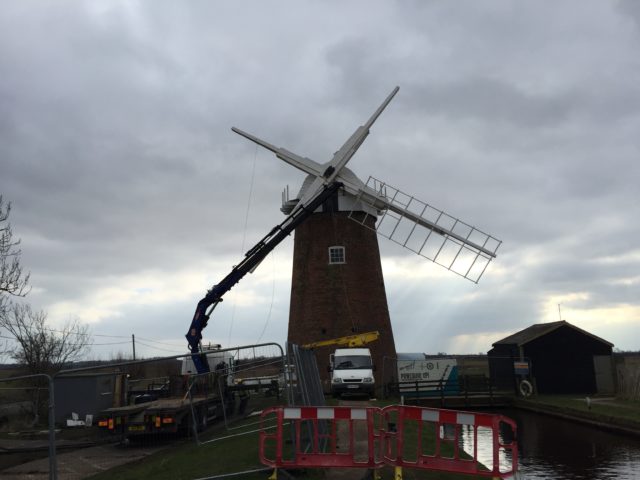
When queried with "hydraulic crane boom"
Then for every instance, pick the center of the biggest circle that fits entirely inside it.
(252, 259)
(357, 340)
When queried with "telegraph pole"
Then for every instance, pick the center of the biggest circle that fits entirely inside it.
(133, 343)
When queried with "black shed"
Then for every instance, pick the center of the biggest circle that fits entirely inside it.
(85, 394)
(563, 358)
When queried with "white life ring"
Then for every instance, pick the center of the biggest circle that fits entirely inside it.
(526, 389)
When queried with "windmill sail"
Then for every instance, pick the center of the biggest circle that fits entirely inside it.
(427, 231)
(328, 172)
(342, 156)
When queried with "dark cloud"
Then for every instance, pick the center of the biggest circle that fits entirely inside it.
(631, 9)
(116, 151)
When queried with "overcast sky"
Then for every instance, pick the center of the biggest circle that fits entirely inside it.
(132, 196)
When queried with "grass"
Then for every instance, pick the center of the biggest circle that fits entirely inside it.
(17, 398)
(420, 438)
(221, 451)
(186, 461)
(606, 410)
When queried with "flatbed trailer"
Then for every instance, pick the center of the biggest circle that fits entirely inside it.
(165, 415)
(271, 385)
(171, 414)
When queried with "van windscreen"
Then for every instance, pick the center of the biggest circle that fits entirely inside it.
(352, 362)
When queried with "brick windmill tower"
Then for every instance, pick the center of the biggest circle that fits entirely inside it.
(337, 281)
(337, 285)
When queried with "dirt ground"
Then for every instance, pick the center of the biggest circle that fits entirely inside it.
(81, 463)
(361, 446)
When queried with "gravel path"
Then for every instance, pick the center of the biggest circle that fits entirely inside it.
(81, 463)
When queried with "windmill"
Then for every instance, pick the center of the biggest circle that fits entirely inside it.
(337, 283)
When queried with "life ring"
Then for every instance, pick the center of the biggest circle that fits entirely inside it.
(526, 389)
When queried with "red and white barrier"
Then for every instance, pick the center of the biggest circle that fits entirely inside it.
(448, 440)
(399, 436)
(320, 437)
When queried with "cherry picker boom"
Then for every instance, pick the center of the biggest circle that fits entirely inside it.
(350, 341)
(252, 259)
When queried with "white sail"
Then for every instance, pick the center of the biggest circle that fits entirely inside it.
(420, 227)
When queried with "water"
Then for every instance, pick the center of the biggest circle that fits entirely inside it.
(551, 448)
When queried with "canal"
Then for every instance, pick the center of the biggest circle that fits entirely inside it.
(551, 448)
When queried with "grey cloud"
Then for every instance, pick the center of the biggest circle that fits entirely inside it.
(116, 151)
(631, 9)
(482, 98)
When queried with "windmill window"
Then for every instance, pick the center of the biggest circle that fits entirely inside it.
(336, 255)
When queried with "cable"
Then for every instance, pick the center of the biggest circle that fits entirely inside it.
(74, 344)
(69, 333)
(96, 335)
(158, 348)
(354, 324)
(244, 233)
(156, 341)
(101, 335)
(273, 294)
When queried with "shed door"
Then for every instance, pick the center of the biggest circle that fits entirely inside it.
(604, 373)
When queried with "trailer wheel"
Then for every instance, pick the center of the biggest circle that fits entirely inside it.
(202, 424)
(229, 404)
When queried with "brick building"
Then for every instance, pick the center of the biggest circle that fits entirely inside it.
(337, 286)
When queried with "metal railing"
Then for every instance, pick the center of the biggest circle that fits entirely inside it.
(53, 471)
(466, 389)
(254, 358)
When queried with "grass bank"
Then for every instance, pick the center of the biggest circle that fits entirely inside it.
(607, 412)
(221, 452)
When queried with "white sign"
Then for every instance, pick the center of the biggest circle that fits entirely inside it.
(431, 371)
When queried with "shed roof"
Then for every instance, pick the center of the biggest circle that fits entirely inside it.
(540, 329)
(410, 356)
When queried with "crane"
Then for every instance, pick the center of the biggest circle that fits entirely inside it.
(250, 262)
(357, 340)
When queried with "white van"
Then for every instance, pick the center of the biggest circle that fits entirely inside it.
(352, 372)
(223, 362)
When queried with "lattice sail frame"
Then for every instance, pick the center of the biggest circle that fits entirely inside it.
(427, 231)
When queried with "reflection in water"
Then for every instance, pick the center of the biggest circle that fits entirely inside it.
(552, 448)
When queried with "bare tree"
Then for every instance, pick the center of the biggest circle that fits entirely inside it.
(31, 343)
(39, 348)
(13, 280)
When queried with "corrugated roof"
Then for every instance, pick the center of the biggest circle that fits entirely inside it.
(538, 330)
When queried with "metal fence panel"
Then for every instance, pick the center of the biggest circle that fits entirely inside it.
(143, 405)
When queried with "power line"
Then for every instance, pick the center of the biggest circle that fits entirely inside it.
(156, 341)
(80, 334)
(159, 348)
(100, 335)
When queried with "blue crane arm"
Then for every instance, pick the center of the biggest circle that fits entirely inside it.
(251, 260)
